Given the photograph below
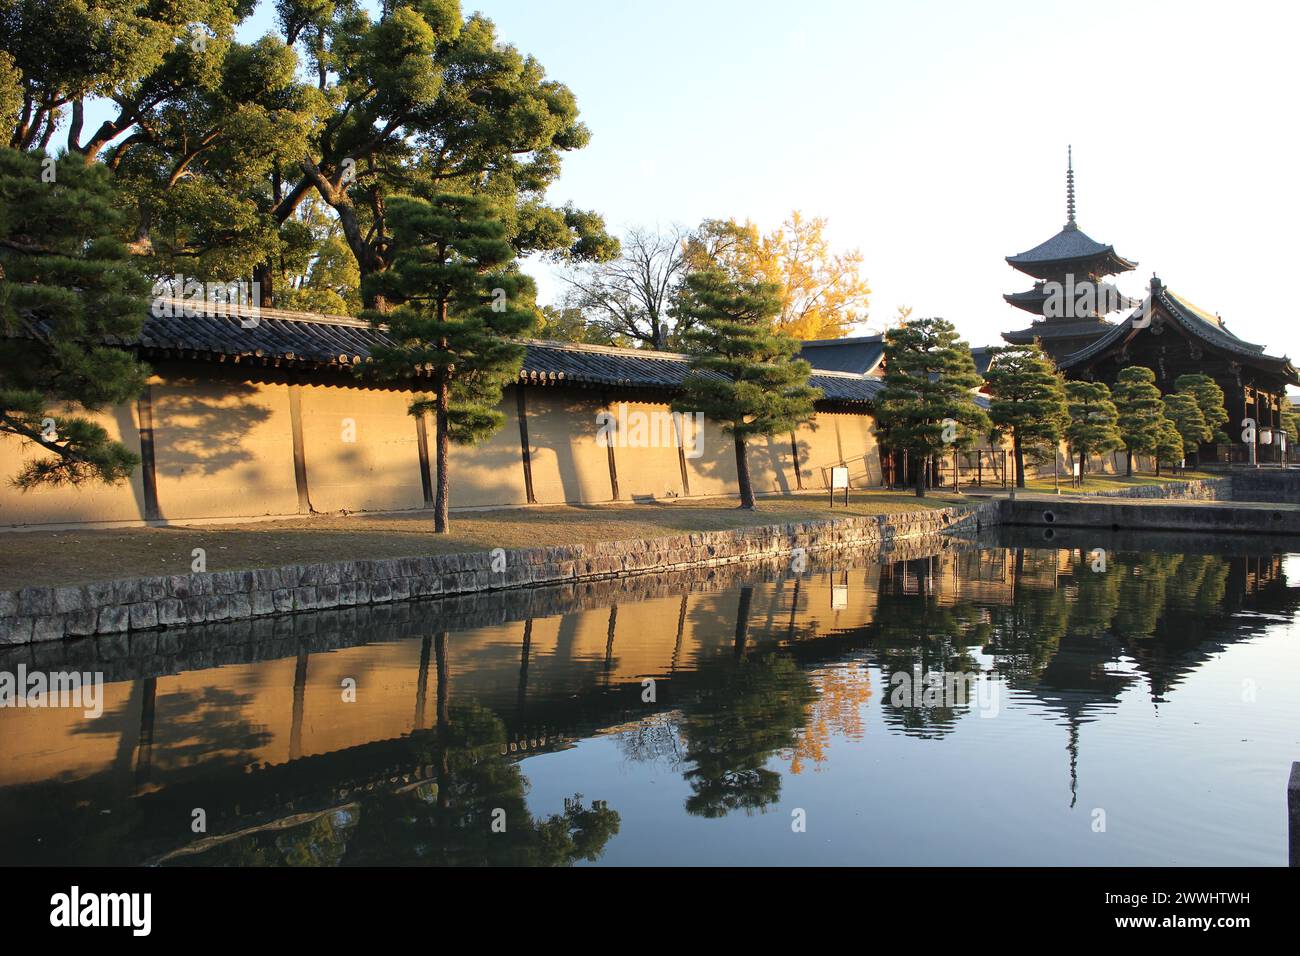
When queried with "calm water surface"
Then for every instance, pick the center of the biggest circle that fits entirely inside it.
(1015, 702)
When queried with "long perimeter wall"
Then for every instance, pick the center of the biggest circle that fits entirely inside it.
(218, 444)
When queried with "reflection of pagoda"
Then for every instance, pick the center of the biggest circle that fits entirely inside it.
(1079, 684)
(1069, 296)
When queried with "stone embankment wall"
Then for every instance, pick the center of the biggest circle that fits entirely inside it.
(1207, 489)
(161, 651)
(116, 607)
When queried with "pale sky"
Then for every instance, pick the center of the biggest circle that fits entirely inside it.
(933, 135)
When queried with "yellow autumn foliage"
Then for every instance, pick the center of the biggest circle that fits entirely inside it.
(842, 693)
(823, 294)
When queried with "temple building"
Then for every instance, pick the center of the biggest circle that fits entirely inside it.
(1069, 296)
(1172, 337)
(1164, 332)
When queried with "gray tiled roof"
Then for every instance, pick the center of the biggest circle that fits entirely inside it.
(1035, 299)
(1069, 243)
(859, 355)
(983, 356)
(558, 362)
(1055, 329)
(278, 337)
(276, 334)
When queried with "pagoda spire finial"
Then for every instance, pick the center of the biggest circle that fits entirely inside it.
(1069, 189)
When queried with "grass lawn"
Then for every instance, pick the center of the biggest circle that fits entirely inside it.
(1108, 482)
(77, 557)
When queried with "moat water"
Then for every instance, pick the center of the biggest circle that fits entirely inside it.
(1082, 700)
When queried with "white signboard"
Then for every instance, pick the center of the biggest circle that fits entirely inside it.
(839, 478)
(839, 596)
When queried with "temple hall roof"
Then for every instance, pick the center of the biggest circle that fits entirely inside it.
(1203, 325)
(860, 355)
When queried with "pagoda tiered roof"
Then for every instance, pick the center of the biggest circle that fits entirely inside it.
(1035, 299)
(1070, 250)
(1070, 259)
(1058, 329)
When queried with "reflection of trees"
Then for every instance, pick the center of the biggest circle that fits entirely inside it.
(1142, 592)
(736, 726)
(445, 821)
(192, 720)
(916, 634)
(449, 821)
(321, 842)
(653, 739)
(841, 694)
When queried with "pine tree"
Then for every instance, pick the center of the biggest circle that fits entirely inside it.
(1183, 410)
(67, 286)
(459, 299)
(1027, 401)
(1209, 396)
(928, 405)
(744, 373)
(1169, 444)
(1093, 427)
(1141, 412)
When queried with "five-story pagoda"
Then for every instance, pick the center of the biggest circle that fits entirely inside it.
(1069, 294)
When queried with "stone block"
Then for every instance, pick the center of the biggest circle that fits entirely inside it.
(171, 612)
(144, 614)
(15, 630)
(114, 619)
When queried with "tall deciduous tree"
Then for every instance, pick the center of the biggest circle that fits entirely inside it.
(459, 301)
(67, 286)
(1027, 401)
(1094, 421)
(823, 294)
(134, 54)
(928, 404)
(426, 99)
(222, 142)
(1141, 412)
(632, 296)
(744, 373)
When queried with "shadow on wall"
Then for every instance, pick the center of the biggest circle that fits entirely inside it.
(207, 435)
(770, 461)
(568, 465)
(580, 416)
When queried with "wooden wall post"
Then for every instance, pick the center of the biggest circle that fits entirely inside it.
(299, 451)
(148, 472)
(522, 408)
(422, 445)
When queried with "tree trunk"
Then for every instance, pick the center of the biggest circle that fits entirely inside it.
(1020, 460)
(264, 277)
(742, 474)
(441, 497)
(1128, 462)
(922, 467)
